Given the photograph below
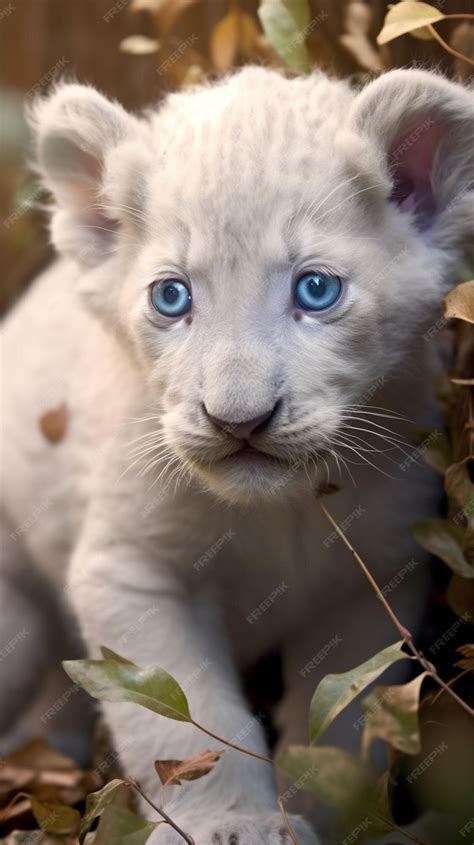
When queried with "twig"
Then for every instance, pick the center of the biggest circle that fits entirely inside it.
(390, 823)
(448, 48)
(287, 821)
(464, 15)
(232, 745)
(404, 632)
(164, 816)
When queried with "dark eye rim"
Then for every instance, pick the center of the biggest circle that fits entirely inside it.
(312, 272)
(168, 280)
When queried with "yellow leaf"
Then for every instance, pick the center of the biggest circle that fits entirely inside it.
(459, 302)
(235, 36)
(407, 17)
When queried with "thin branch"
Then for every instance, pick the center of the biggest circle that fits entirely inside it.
(390, 823)
(448, 48)
(287, 822)
(166, 818)
(460, 15)
(404, 632)
(232, 744)
(410, 836)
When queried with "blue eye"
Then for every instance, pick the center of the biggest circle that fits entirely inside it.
(317, 291)
(171, 297)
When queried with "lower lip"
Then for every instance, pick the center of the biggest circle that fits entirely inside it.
(251, 455)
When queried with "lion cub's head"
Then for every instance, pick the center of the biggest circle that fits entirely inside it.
(267, 248)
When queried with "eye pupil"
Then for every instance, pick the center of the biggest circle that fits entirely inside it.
(317, 291)
(171, 294)
(171, 298)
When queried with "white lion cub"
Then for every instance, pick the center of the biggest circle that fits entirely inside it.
(239, 271)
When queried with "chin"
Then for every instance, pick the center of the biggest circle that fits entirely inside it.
(241, 480)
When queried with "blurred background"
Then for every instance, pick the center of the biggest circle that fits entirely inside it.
(137, 50)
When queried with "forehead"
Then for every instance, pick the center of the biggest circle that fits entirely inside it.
(236, 164)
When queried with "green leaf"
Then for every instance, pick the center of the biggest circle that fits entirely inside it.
(117, 679)
(407, 17)
(53, 817)
(392, 715)
(284, 23)
(446, 541)
(335, 692)
(119, 826)
(333, 775)
(96, 803)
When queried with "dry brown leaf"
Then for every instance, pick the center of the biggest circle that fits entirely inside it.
(53, 424)
(459, 302)
(46, 774)
(467, 652)
(172, 772)
(235, 36)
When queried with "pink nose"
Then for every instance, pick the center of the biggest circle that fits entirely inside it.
(241, 430)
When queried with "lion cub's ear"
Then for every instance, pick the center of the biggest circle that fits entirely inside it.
(422, 128)
(89, 154)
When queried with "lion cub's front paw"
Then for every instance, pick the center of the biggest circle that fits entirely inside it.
(265, 828)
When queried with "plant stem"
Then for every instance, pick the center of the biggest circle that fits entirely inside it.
(287, 822)
(232, 744)
(448, 48)
(465, 15)
(404, 632)
(161, 813)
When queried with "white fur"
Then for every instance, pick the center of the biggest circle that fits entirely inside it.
(238, 185)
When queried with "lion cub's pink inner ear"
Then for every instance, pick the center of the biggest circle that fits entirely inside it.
(411, 161)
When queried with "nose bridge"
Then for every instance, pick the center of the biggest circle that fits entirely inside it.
(239, 379)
